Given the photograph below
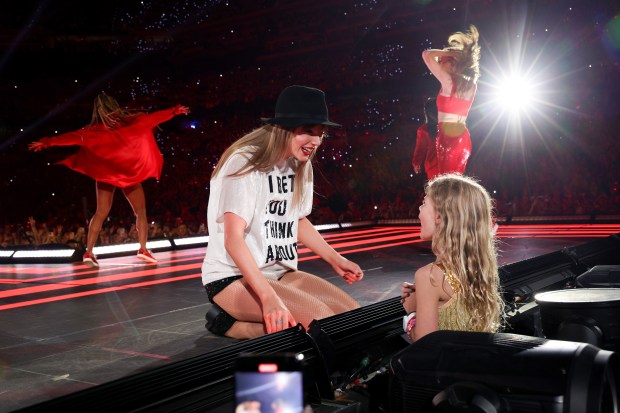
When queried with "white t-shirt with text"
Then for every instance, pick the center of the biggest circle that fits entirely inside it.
(264, 202)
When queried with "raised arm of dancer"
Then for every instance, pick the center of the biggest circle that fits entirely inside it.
(66, 139)
(432, 59)
(160, 116)
(272, 306)
(311, 238)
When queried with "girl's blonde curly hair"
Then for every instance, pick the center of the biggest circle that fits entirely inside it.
(465, 246)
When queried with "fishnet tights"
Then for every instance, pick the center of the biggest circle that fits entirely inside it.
(307, 297)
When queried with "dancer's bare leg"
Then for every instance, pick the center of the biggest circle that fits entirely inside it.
(135, 197)
(105, 196)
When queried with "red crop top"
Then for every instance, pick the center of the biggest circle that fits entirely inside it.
(453, 104)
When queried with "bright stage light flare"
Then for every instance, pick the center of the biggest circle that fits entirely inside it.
(516, 93)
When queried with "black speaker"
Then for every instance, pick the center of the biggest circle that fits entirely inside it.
(588, 315)
(523, 279)
(455, 371)
(602, 251)
(359, 342)
(600, 276)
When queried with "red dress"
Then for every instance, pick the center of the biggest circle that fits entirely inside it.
(425, 151)
(122, 157)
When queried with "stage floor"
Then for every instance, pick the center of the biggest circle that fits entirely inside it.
(66, 327)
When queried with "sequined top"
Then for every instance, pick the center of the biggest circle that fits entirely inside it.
(453, 314)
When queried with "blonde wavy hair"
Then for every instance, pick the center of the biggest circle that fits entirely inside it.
(263, 148)
(108, 112)
(465, 246)
(467, 65)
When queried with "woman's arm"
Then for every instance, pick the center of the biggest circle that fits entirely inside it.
(311, 238)
(272, 306)
(153, 119)
(432, 59)
(66, 139)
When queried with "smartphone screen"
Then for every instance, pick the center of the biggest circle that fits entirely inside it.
(268, 384)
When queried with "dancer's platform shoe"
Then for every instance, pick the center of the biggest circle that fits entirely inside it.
(90, 259)
(145, 255)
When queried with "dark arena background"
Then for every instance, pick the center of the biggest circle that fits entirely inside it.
(130, 336)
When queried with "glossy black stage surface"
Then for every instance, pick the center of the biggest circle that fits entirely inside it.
(68, 327)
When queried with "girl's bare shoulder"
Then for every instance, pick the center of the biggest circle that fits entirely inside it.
(423, 273)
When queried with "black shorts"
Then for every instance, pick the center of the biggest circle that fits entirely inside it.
(213, 288)
(218, 320)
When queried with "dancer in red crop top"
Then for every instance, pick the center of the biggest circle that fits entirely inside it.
(117, 149)
(457, 69)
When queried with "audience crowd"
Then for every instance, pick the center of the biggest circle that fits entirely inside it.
(359, 174)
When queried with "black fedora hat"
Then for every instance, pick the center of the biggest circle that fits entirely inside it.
(300, 105)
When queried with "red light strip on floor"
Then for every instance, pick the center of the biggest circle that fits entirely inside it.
(368, 241)
(512, 231)
(95, 280)
(93, 292)
(88, 271)
(157, 271)
(375, 247)
(369, 233)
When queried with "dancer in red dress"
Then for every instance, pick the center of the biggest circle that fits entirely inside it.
(117, 149)
(457, 68)
(425, 148)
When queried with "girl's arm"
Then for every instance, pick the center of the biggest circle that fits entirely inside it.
(272, 306)
(311, 238)
(425, 302)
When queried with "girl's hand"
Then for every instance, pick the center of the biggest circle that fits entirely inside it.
(406, 290)
(407, 297)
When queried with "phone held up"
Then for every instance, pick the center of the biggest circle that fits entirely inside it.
(269, 383)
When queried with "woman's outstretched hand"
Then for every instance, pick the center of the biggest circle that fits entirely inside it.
(180, 109)
(350, 271)
(36, 146)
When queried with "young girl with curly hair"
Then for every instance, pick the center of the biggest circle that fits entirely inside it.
(460, 290)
